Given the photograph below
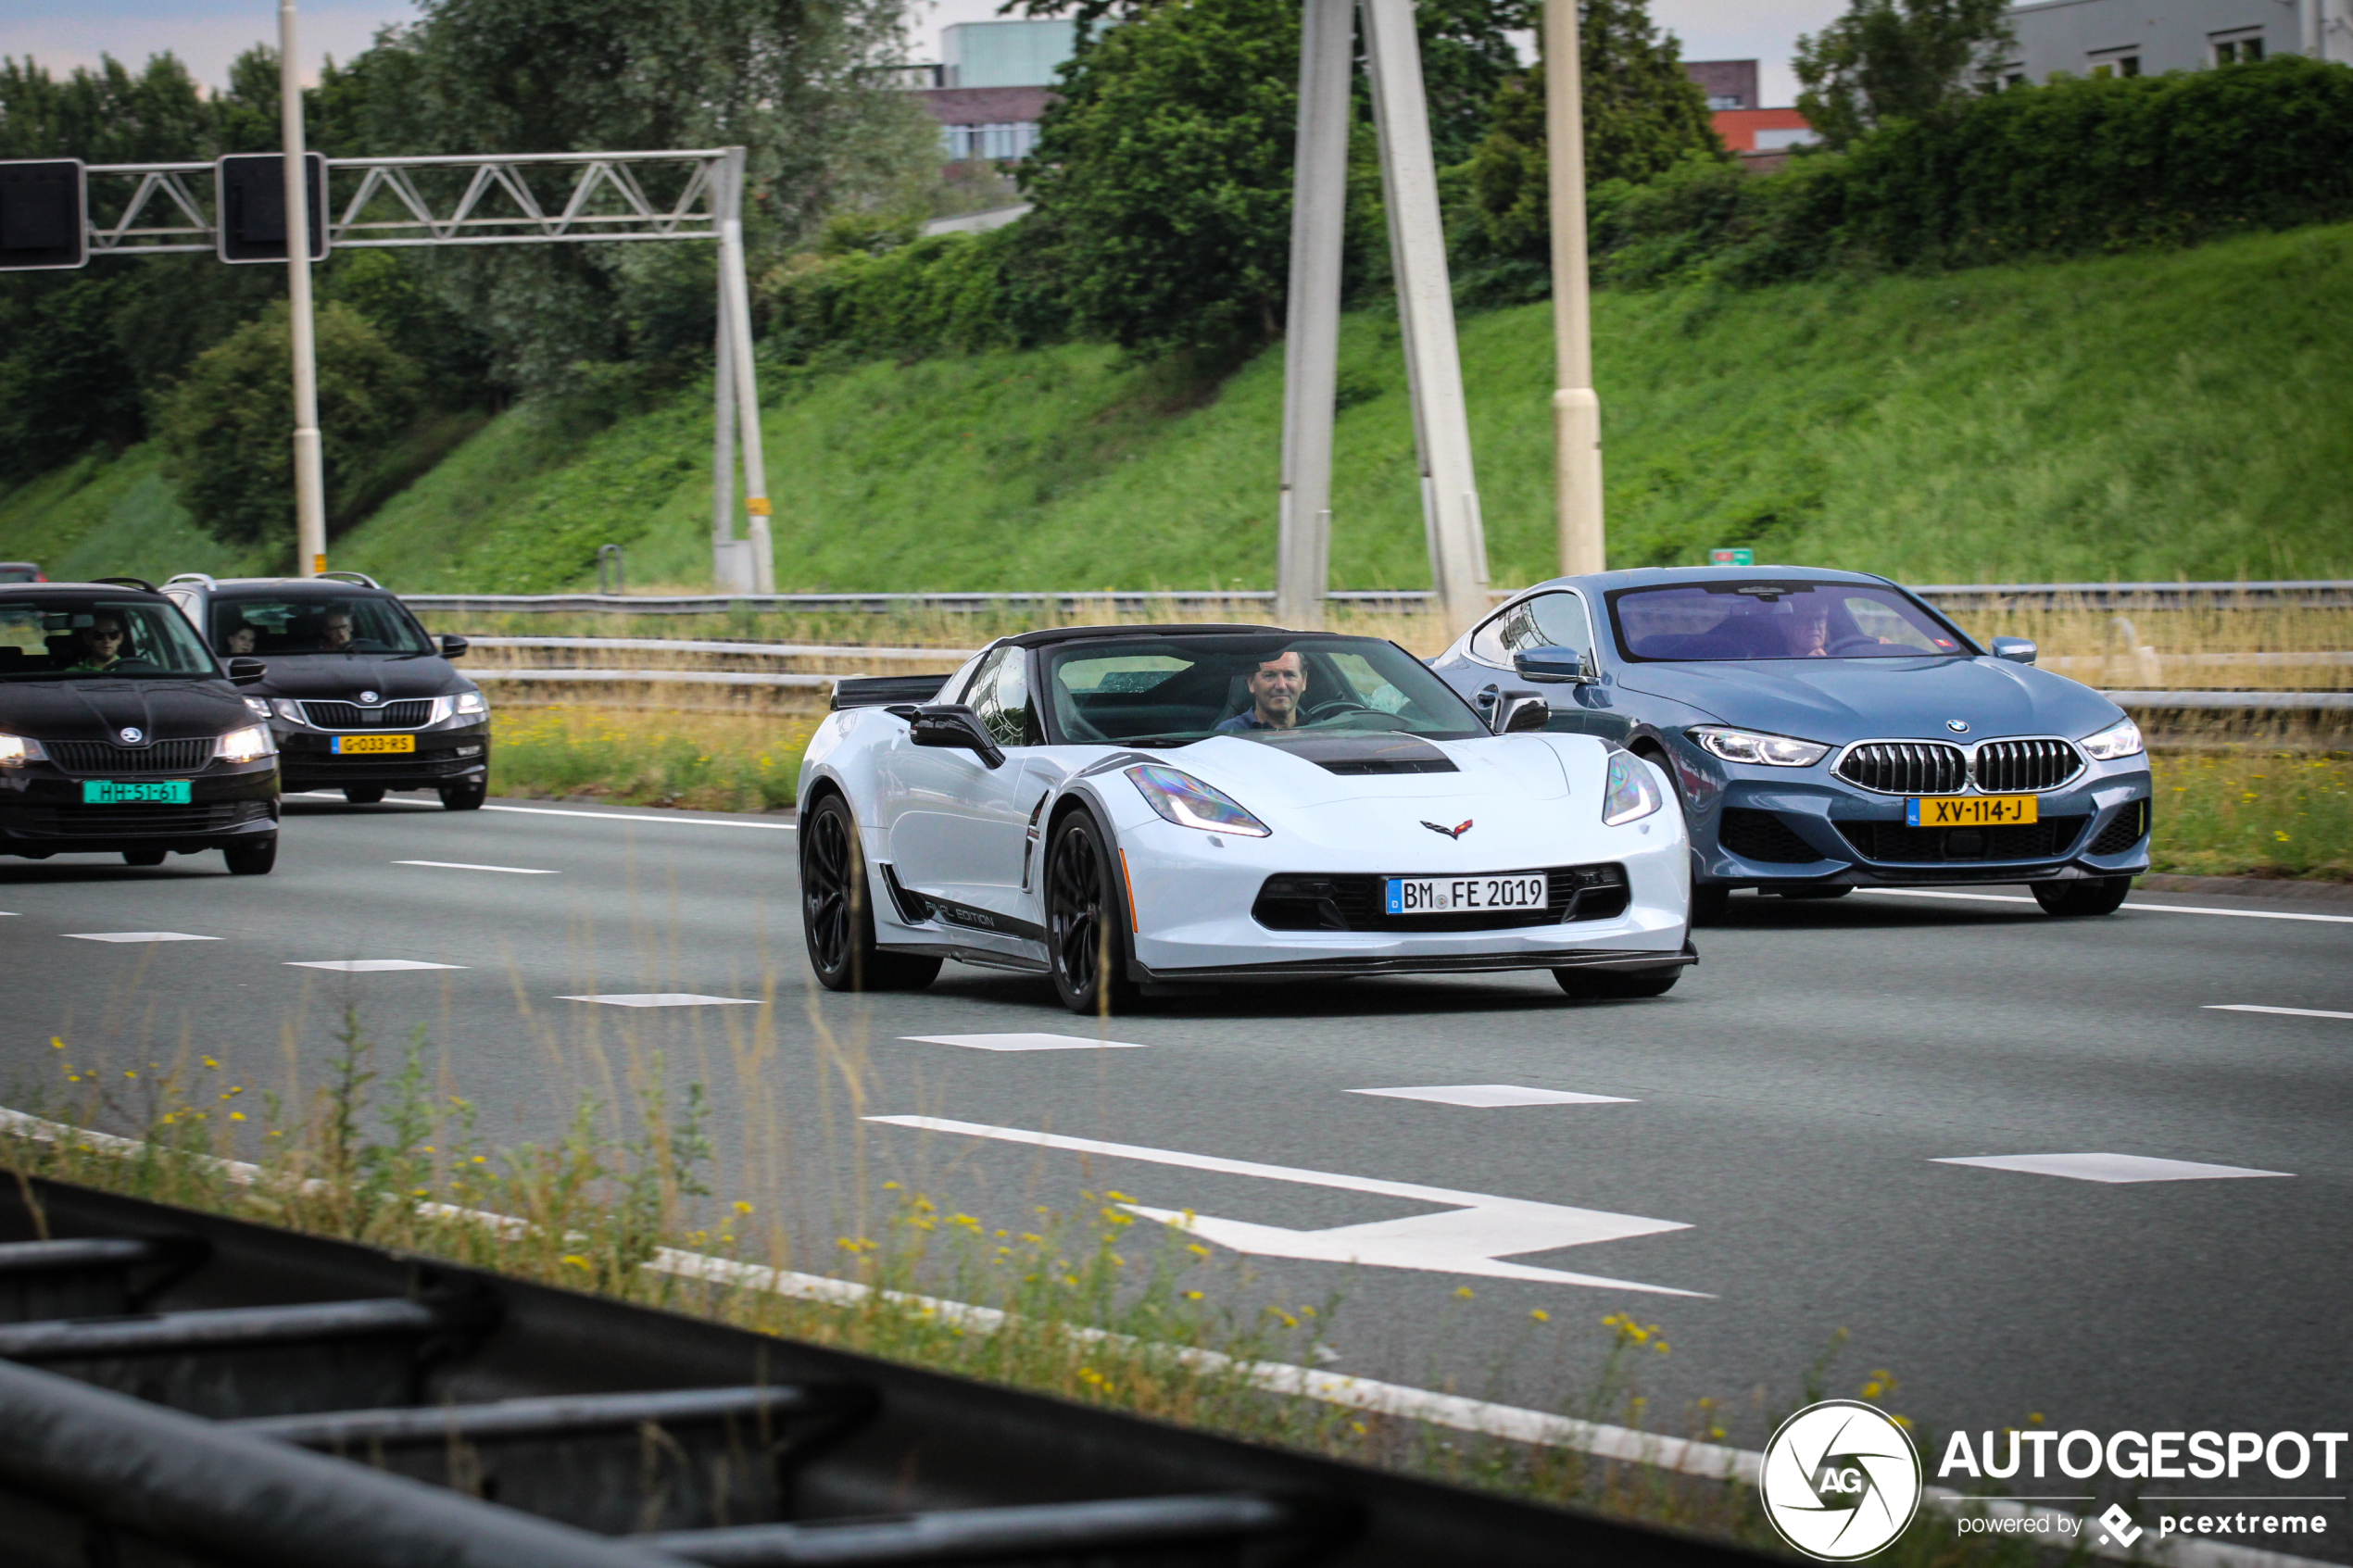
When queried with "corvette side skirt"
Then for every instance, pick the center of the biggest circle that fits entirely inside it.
(1430, 963)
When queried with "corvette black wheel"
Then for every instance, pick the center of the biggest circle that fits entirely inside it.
(2093, 895)
(836, 916)
(1086, 921)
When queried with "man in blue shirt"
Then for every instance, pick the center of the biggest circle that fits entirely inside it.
(1275, 690)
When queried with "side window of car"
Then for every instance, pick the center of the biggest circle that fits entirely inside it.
(1001, 696)
(1548, 620)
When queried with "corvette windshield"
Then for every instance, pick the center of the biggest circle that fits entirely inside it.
(272, 624)
(1726, 621)
(1173, 690)
(88, 637)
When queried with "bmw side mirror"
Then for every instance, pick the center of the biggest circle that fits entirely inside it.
(453, 647)
(2017, 650)
(248, 671)
(956, 727)
(1555, 665)
(1521, 710)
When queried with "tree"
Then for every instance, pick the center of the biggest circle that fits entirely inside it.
(1643, 115)
(66, 384)
(227, 427)
(1899, 59)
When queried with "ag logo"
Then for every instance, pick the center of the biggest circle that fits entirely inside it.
(1840, 1480)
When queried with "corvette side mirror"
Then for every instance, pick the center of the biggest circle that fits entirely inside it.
(2017, 650)
(1555, 665)
(248, 671)
(1521, 710)
(956, 727)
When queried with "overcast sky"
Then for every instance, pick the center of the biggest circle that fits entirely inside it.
(210, 33)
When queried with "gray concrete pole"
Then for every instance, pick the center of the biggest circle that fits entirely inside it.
(1577, 409)
(1310, 339)
(735, 289)
(1426, 312)
(310, 470)
(726, 560)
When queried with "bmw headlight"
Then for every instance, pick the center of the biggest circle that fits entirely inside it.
(248, 745)
(1748, 745)
(1189, 803)
(2117, 740)
(17, 750)
(1629, 794)
(471, 705)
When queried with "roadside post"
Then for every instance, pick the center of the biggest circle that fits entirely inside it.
(1577, 408)
(310, 473)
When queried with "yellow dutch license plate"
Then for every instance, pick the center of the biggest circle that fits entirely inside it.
(1969, 811)
(378, 746)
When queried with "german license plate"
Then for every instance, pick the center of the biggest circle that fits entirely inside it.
(1455, 895)
(1969, 811)
(109, 792)
(373, 745)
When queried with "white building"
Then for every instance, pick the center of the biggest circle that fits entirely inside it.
(2150, 37)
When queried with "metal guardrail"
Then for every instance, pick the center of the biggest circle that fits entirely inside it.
(695, 645)
(182, 1389)
(2233, 702)
(2313, 593)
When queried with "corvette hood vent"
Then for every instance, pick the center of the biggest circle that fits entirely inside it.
(1360, 753)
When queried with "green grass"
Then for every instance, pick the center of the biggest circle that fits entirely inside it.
(699, 760)
(2254, 813)
(2149, 416)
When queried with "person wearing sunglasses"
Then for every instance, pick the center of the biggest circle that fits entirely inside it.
(102, 642)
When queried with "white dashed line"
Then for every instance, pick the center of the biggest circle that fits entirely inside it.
(136, 937)
(641, 817)
(664, 1000)
(2255, 1007)
(367, 966)
(2152, 908)
(1023, 1042)
(468, 866)
(2111, 1168)
(1490, 1096)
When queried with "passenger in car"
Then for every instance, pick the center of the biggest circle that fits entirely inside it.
(238, 639)
(334, 631)
(100, 644)
(1275, 689)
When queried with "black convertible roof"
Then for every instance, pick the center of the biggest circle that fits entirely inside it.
(1081, 634)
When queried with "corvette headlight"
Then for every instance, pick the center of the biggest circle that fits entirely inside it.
(1747, 745)
(1629, 794)
(1189, 803)
(2117, 740)
(470, 705)
(17, 750)
(248, 745)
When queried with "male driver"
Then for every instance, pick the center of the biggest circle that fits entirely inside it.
(1809, 630)
(334, 631)
(1276, 687)
(100, 644)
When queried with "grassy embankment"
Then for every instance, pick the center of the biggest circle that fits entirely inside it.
(2145, 416)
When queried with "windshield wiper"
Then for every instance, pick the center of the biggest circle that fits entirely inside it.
(1170, 739)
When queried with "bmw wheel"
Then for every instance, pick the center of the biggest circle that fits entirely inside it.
(838, 913)
(2093, 895)
(1086, 923)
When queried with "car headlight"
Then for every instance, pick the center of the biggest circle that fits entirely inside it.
(1747, 745)
(1189, 803)
(260, 706)
(289, 710)
(248, 745)
(472, 704)
(17, 750)
(2117, 740)
(1629, 794)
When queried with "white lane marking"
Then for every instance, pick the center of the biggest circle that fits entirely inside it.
(1487, 1096)
(1471, 1238)
(640, 817)
(2153, 909)
(470, 866)
(1023, 1042)
(2110, 1168)
(2256, 1007)
(367, 966)
(664, 1000)
(136, 937)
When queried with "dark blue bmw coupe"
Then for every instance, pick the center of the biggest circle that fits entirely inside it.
(1828, 731)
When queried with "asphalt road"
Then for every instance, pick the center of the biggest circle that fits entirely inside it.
(1774, 1139)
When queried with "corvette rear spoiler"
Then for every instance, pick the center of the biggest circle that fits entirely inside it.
(880, 691)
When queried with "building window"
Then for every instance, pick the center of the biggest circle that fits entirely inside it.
(2238, 48)
(2116, 62)
(1725, 101)
(1001, 144)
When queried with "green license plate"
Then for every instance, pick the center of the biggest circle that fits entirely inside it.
(111, 792)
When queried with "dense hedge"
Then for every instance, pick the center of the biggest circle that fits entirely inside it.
(2075, 167)
(949, 292)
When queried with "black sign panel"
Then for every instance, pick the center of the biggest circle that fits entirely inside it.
(42, 214)
(250, 189)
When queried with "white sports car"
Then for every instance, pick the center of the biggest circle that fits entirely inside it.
(1131, 807)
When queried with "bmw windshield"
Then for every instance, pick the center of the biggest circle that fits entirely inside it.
(1164, 690)
(92, 636)
(1703, 623)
